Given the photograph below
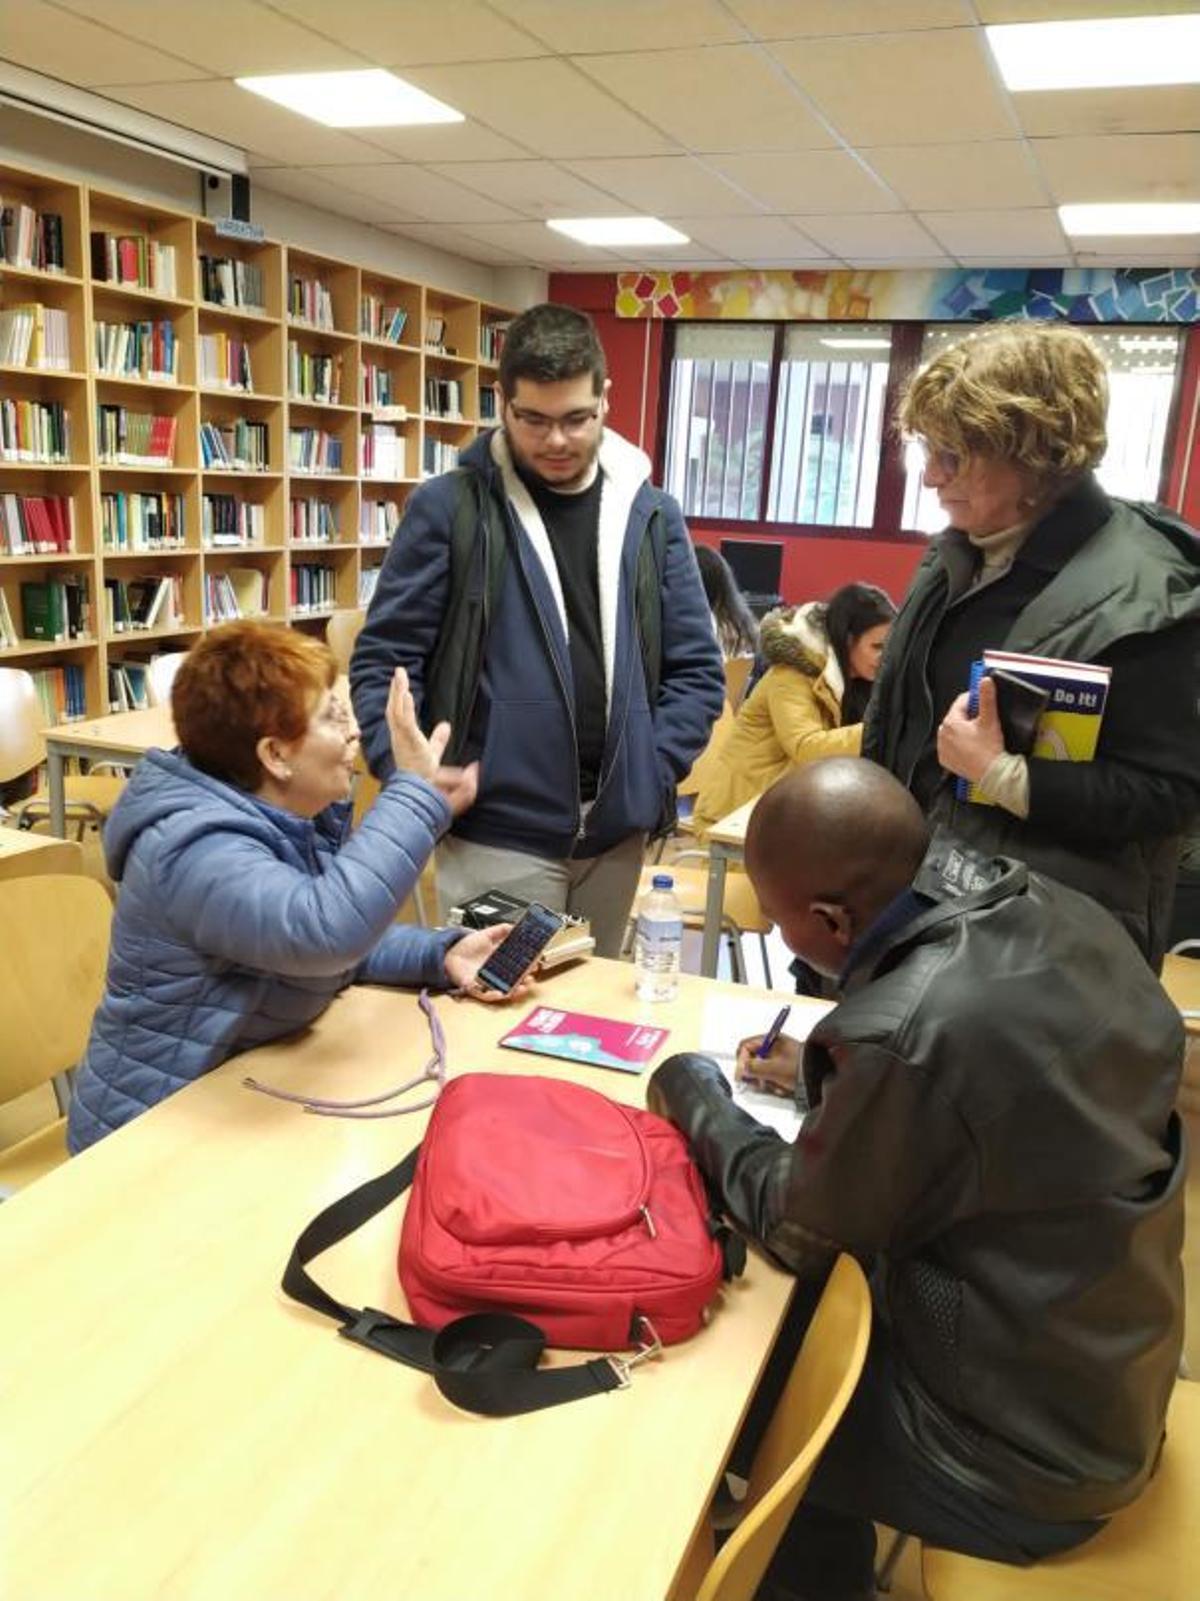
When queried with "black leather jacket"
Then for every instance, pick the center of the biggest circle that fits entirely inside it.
(991, 1120)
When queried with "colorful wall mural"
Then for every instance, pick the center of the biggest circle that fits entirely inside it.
(1100, 294)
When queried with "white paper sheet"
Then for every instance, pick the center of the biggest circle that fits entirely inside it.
(726, 1021)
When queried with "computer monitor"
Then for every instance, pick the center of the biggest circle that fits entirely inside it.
(757, 565)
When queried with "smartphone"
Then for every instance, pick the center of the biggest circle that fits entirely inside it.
(510, 961)
(1019, 705)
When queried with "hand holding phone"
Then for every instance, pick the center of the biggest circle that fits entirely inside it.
(509, 962)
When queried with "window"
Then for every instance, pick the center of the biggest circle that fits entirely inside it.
(720, 386)
(1141, 378)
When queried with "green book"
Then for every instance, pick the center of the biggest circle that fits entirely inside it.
(43, 611)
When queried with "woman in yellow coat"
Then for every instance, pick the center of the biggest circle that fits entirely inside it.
(821, 661)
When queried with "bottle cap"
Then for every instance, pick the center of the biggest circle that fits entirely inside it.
(663, 881)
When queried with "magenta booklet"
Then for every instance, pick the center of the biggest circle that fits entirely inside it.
(578, 1037)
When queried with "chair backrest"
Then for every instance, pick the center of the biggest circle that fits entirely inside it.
(22, 720)
(160, 675)
(822, 1381)
(340, 633)
(52, 976)
(737, 671)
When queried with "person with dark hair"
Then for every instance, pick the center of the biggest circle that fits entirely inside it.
(733, 621)
(990, 1128)
(821, 661)
(1038, 559)
(245, 903)
(598, 678)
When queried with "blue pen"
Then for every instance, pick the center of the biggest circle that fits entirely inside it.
(773, 1033)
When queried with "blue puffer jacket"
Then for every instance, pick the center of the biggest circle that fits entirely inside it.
(238, 923)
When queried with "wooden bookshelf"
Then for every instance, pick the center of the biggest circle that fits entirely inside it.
(229, 306)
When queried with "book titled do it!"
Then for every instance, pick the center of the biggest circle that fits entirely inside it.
(1049, 709)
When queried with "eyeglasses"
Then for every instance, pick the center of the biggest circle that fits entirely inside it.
(947, 462)
(337, 712)
(537, 423)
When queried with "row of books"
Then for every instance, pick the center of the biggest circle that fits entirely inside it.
(491, 340)
(61, 692)
(378, 521)
(137, 350)
(56, 609)
(382, 452)
(312, 376)
(489, 403)
(141, 520)
(238, 445)
(311, 587)
(153, 600)
(368, 583)
(223, 362)
(437, 456)
(312, 520)
(135, 259)
(312, 450)
(9, 638)
(378, 320)
(309, 301)
(30, 238)
(128, 685)
(34, 430)
(228, 521)
(227, 282)
(236, 592)
(36, 525)
(378, 386)
(435, 332)
(33, 335)
(127, 438)
(444, 397)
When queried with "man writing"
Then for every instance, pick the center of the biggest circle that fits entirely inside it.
(599, 676)
(991, 1127)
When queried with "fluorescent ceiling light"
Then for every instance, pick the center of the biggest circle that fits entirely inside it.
(617, 230)
(858, 344)
(370, 99)
(1105, 53)
(1152, 217)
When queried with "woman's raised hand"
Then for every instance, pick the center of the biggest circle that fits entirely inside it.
(412, 752)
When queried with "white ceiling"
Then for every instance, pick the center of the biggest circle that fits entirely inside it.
(772, 132)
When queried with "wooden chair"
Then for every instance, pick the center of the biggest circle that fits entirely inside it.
(51, 980)
(740, 911)
(1147, 1552)
(90, 799)
(341, 631)
(822, 1381)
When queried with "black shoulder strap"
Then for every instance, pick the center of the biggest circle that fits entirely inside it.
(478, 554)
(486, 1363)
(652, 562)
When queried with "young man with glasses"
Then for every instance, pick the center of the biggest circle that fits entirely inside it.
(579, 749)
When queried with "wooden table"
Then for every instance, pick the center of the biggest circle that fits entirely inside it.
(726, 841)
(121, 737)
(22, 854)
(176, 1430)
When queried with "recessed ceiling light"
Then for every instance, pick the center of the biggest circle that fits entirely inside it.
(858, 344)
(370, 99)
(1151, 217)
(618, 230)
(1103, 53)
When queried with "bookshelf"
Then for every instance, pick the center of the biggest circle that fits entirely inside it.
(236, 423)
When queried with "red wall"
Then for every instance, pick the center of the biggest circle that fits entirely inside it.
(814, 566)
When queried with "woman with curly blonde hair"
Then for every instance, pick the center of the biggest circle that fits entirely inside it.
(1038, 559)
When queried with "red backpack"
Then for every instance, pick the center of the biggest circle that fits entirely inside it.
(541, 1213)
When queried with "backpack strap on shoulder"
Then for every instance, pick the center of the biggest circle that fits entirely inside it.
(651, 570)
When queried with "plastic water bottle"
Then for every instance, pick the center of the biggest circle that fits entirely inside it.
(659, 942)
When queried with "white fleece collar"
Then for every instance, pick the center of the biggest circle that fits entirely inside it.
(625, 469)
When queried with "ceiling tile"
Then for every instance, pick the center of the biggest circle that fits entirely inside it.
(1032, 262)
(50, 41)
(997, 233)
(1163, 166)
(236, 37)
(1068, 10)
(534, 242)
(1171, 252)
(443, 142)
(789, 19)
(404, 32)
(545, 105)
(691, 261)
(218, 107)
(298, 183)
(996, 172)
(656, 184)
(870, 236)
(412, 191)
(728, 97)
(534, 188)
(444, 236)
(903, 88)
(585, 25)
(1161, 109)
(737, 237)
(807, 180)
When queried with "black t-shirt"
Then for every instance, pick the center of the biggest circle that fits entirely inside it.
(573, 524)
